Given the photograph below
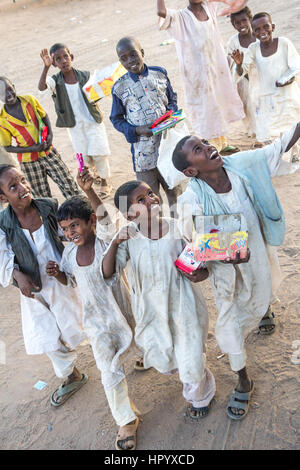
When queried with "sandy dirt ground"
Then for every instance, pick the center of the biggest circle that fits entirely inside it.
(91, 29)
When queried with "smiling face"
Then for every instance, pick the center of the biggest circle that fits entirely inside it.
(263, 29)
(63, 60)
(144, 204)
(78, 230)
(15, 189)
(242, 23)
(201, 156)
(8, 92)
(131, 56)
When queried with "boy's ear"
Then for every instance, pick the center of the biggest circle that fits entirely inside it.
(190, 172)
(3, 198)
(273, 27)
(143, 53)
(72, 57)
(93, 219)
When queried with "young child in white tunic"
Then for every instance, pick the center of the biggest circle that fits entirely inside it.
(240, 183)
(211, 98)
(28, 239)
(83, 120)
(169, 311)
(240, 41)
(272, 65)
(104, 306)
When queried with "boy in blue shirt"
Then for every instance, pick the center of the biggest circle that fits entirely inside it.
(139, 98)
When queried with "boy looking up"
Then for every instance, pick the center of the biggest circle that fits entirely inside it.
(82, 119)
(139, 98)
(21, 119)
(239, 183)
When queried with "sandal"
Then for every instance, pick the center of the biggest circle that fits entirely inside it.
(229, 149)
(65, 391)
(139, 365)
(127, 434)
(204, 410)
(105, 191)
(241, 401)
(268, 320)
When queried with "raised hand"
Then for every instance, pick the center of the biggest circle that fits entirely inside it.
(238, 57)
(85, 179)
(52, 268)
(46, 58)
(234, 6)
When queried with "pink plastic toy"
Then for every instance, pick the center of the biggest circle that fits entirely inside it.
(80, 161)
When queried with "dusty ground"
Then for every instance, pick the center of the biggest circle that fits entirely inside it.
(91, 29)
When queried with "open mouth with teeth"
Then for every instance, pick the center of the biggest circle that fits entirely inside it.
(75, 238)
(25, 195)
(214, 155)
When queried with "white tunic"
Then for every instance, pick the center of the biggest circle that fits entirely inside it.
(87, 136)
(54, 315)
(242, 292)
(104, 311)
(278, 108)
(169, 311)
(248, 94)
(208, 85)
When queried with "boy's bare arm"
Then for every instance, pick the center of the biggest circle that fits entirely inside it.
(295, 137)
(109, 260)
(47, 64)
(34, 148)
(161, 8)
(85, 182)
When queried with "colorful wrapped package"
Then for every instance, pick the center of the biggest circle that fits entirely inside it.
(101, 82)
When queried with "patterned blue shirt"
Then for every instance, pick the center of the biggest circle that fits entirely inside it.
(138, 100)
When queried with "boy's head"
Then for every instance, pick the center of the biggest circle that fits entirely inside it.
(241, 21)
(136, 200)
(8, 93)
(14, 188)
(131, 55)
(194, 156)
(77, 220)
(62, 57)
(263, 27)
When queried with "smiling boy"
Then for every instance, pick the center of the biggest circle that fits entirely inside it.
(21, 119)
(240, 183)
(140, 97)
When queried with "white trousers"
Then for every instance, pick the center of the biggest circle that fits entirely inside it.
(63, 361)
(101, 162)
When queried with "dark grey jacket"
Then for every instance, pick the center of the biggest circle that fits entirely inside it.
(63, 107)
(24, 256)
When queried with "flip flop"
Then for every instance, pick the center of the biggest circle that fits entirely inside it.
(205, 410)
(229, 149)
(241, 401)
(105, 191)
(268, 321)
(64, 392)
(138, 366)
(131, 430)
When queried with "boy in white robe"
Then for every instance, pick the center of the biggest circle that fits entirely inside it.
(272, 65)
(28, 238)
(240, 183)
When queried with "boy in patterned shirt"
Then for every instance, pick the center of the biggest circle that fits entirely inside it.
(140, 97)
(21, 119)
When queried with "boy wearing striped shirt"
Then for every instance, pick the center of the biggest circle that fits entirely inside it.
(21, 119)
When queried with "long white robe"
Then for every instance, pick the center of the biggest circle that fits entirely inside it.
(277, 108)
(211, 98)
(242, 292)
(55, 314)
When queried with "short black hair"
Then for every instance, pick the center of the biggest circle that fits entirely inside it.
(127, 40)
(179, 157)
(3, 168)
(125, 191)
(261, 15)
(245, 10)
(77, 207)
(58, 46)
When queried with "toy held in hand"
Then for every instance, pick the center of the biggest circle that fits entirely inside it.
(187, 262)
(80, 161)
(168, 120)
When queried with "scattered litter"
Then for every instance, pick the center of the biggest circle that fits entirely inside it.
(118, 12)
(220, 356)
(40, 385)
(104, 40)
(255, 404)
(80, 22)
(210, 432)
(167, 42)
(36, 30)
(50, 427)
(73, 19)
